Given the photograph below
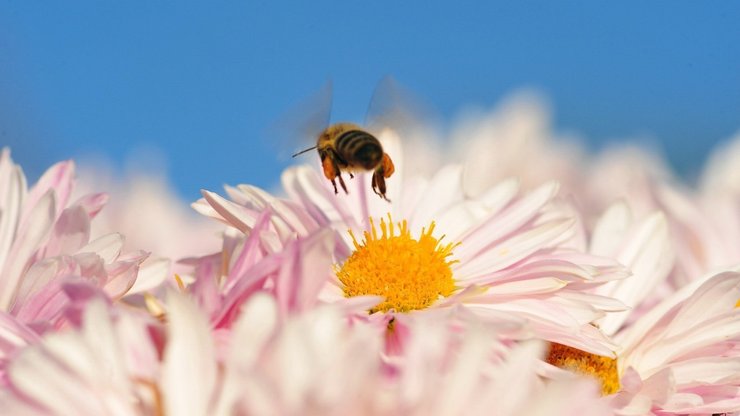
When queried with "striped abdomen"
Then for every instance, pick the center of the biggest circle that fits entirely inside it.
(359, 149)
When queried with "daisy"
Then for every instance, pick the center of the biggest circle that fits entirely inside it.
(502, 254)
(317, 363)
(643, 181)
(644, 246)
(45, 243)
(683, 356)
(515, 139)
(115, 363)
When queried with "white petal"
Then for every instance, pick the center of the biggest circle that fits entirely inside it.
(152, 273)
(12, 194)
(526, 287)
(610, 229)
(707, 370)
(513, 217)
(649, 254)
(444, 189)
(719, 295)
(189, 367)
(509, 251)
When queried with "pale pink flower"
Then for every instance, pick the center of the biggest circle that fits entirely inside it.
(316, 362)
(683, 356)
(719, 198)
(118, 363)
(320, 363)
(515, 139)
(517, 253)
(44, 243)
(646, 185)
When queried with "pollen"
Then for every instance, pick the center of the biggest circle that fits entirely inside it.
(409, 273)
(572, 359)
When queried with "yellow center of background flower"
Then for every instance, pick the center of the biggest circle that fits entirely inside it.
(572, 359)
(409, 273)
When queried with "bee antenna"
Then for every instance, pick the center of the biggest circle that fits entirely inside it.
(304, 151)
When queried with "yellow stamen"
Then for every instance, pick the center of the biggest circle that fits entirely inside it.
(154, 307)
(179, 281)
(602, 368)
(156, 395)
(410, 274)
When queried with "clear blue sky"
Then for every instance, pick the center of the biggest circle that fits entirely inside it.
(201, 80)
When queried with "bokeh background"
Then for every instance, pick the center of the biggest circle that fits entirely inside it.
(188, 88)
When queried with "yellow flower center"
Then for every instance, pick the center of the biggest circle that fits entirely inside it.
(409, 273)
(602, 368)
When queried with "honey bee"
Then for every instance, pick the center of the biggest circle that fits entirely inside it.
(346, 147)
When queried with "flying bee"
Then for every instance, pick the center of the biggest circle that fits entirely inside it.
(346, 147)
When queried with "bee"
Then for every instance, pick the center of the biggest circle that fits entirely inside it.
(346, 147)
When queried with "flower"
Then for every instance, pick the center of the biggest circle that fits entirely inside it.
(116, 363)
(683, 356)
(318, 362)
(511, 255)
(45, 244)
(513, 140)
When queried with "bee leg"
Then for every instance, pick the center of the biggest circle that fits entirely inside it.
(341, 182)
(379, 184)
(331, 171)
(335, 186)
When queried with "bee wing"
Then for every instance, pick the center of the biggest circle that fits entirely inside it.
(393, 106)
(297, 129)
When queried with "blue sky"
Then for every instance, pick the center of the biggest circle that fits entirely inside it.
(201, 81)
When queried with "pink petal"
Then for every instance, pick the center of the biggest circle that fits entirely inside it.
(235, 215)
(93, 203)
(71, 232)
(13, 334)
(32, 233)
(306, 266)
(122, 276)
(41, 274)
(58, 179)
(108, 247)
(303, 184)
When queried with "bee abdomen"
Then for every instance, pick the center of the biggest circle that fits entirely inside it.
(360, 148)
